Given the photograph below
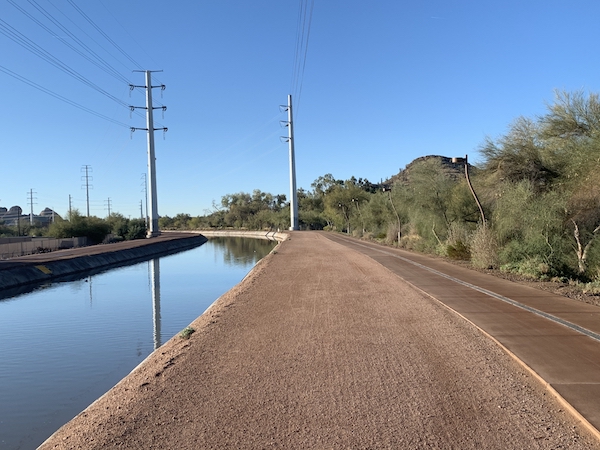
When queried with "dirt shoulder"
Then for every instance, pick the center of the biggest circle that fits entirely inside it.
(322, 347)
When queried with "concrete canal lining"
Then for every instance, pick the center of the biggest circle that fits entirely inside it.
(22, 274)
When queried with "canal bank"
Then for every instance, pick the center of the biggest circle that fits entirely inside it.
(19, 274)
(322, 347)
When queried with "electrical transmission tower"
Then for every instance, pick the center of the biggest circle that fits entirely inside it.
(108, 206)
(87, 178)
(153, 211)
(290, 139)
(31, 203)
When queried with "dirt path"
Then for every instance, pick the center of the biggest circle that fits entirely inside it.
(321, 347)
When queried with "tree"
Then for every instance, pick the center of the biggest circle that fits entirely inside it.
(520, 155)
(94, 228)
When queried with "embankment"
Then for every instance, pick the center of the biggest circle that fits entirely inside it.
(23, 274)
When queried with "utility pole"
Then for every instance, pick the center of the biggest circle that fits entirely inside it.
(141, 211)
(70, 209)
(87, 177)
(31, 203)
(108, 205)
(293, 191)
(153, 213)
(145, 190)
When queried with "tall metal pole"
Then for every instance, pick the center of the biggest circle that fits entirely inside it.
(146, 197)
(293, 192)
(153, 231)
(31, 205)
(87, 192)
(87, 169)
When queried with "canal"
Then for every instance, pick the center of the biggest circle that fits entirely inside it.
(65, 344)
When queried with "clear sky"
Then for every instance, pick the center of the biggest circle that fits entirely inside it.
(379, 84)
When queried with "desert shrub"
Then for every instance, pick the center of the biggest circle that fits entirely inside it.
(534, 267)
(456, 243)
(391, 235)
(458, 250)
(484, 248)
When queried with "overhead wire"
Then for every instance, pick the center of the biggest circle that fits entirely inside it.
(130, 36)
(107, 37)
(76, 40)
(60, 97)
(303, 27)
(95, 59)
(37, 50)
(22, 40)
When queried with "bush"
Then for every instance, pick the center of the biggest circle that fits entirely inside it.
(535, 268)
(392, 233)
(484, 248)
(458, 251)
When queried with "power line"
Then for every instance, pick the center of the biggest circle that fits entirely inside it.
(31, 46)
(126, 66)
(97, 60)
(91, 22)
(22, 40)
(303, 26)
(60, 97)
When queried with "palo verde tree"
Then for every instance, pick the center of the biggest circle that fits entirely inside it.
(544, 174)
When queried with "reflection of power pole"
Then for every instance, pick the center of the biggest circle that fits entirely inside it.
(91, 298)
(153, 230)
(154, 266)
(87, 177)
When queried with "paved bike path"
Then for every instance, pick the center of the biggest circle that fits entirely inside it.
(556, 337)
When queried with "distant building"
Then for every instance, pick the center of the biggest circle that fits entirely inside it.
(14, 217)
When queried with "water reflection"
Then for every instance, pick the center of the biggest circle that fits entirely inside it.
(64, 344)
(239, 250)
(154, 273)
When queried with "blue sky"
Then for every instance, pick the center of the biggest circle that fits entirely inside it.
(384, 82)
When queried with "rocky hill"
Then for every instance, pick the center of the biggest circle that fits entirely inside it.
(453, 168)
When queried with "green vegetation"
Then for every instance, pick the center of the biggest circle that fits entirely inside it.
(186, 333)
(538, 185)
(96, 229)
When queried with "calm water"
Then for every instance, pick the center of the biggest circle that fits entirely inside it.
(65, 344)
